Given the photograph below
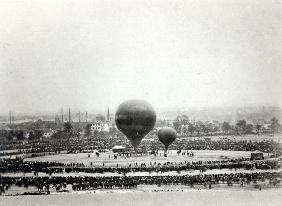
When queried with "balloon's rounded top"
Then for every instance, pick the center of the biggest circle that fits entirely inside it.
(167, 135)
(167, 129)
(135, 119)
(135, 105)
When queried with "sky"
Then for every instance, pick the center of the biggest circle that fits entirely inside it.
(93, 54)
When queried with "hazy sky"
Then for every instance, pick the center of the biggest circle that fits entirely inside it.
(94, 54)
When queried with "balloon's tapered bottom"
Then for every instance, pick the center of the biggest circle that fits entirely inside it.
(135, 144)
(165, 152)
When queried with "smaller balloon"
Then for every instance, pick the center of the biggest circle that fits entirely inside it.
(167, 135)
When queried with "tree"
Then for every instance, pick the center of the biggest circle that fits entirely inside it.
(20, 135)
(241, 126)
(154, 146)
(209, 128)
(38, 124)
(58, 135)
(96, 134)
(185, 129)
(10, 135)
(191, 128)
(177, 126)
(274, 124)
(184, 119)
(226, 127)
(249, 129)
(35, 134)
(112, 131)
(101, 135)
(88, 130)
(258, 128)
(215, 129)
(68, 127)
(143, 149)
(199, 127)
(31, 135)
(204, 128)
(77, 133)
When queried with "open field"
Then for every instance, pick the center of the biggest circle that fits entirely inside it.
(267, 197)
(108, 157)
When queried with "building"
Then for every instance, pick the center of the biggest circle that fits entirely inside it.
(257, 155)
(48, 133)
(267, 128)
(118, 148)
(100, 126)
(184, 119)
(106, 127)
(96, 126)
(169, 123)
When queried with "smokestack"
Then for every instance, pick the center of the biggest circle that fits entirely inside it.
(108, 114)
(69, 115)
(62, 115)
(85, 116)
(79, 117)
(10, 114)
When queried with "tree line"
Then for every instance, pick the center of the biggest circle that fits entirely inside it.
(241, 127)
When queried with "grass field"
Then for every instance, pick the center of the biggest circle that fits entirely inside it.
(108, 158)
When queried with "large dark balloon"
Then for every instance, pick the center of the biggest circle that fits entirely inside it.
(167, 135)
(135, 119)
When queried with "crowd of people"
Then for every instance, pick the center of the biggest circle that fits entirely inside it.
(120, 177)
(18, 165)
(44, 184)
(177, 166)
(81, 145)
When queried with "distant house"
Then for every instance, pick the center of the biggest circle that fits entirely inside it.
(169, 123)
(267, 127)
(100, 126)
(48, 133)
(106, 127)
(118, 148)
(257, 155)
(184, 119)
(97, 126)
